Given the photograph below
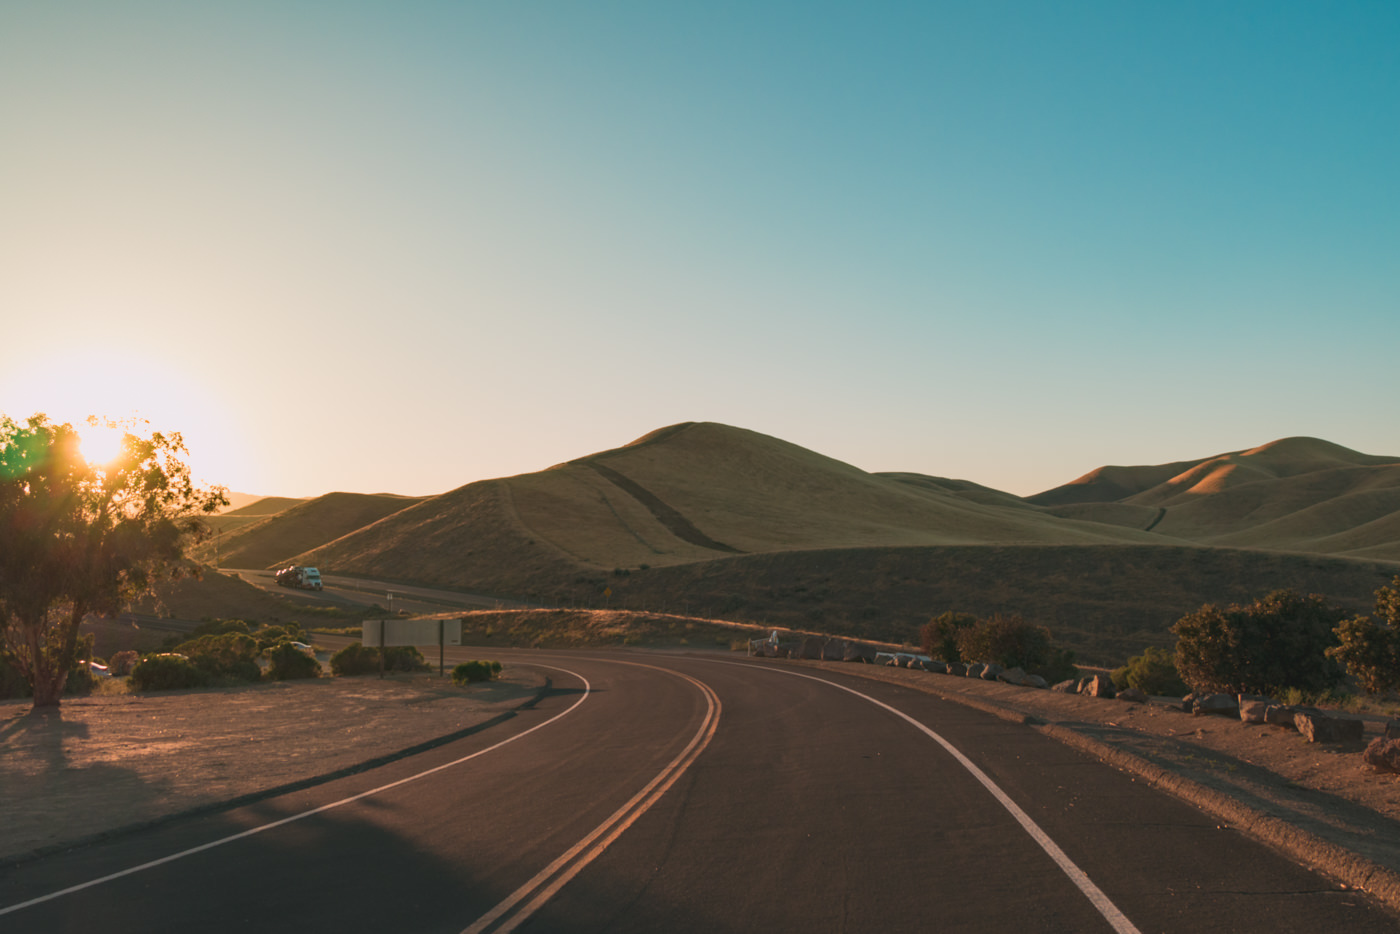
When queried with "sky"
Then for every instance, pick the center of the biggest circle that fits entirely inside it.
(400, 247)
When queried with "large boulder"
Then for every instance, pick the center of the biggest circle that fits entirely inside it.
(1383, 754)
(811, 648)
(1068, 686)
(1016, 676)
(1254, 711)
(975, 669)
(1099, 686)
(1036, 681)
(858, 652)
(1320, 728)
(1392, 729)
(990, 671)
(1224, 705)
(936, 665)
(833, 650)
(957, 668)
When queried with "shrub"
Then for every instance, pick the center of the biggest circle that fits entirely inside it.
(122, 662)
(1153, 672)
(217, 627)
(232, 655)
(939, 636)
(1370, 648)
(1273, 644)
(287, 662)
(476, 671)
(364, 659)
(1012, 642)
(166, 672)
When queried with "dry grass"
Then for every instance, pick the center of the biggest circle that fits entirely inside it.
(274, 539)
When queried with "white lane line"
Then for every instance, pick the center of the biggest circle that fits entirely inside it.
(547, 883)
(587, 690)
(1100, 901)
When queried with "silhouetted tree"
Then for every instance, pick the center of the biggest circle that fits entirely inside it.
(79, 538)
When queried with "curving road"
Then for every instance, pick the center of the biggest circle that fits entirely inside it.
(668, 792)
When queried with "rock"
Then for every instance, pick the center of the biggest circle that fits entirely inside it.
(957, 668)
(1036, 681)
(909, 661)
(1016, 676)
(1392, 729)
(1383, 753)
(1254, 711)
(1133, 695)
(834, 650)
(858, 652)
(935, 665)
(1069, 686)
(990, 672)
(975, 670)
(1100, 686)
(1320, 728)
(1279, 715)
(1188, 703)
(782, 650)
(811, 648)
(1223, 705)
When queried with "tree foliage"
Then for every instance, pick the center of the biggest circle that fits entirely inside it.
(1011, 642)
(1278, 642)
(940, 634)
(79, 538)
(1153, 672)
(1369, 647)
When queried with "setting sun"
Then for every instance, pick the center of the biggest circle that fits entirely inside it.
(101, 441)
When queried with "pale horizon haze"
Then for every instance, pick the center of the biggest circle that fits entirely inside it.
(403, 247)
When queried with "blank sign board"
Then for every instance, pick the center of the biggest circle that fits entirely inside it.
(413, 632)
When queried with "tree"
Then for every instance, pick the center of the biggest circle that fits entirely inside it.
(79, 538)
(1266, 647)
(940, 634)
(1370, 647)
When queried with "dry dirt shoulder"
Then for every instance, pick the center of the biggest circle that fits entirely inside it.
(104, 764)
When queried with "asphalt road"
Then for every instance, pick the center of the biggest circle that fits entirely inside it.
(359, 591)
(670, 792)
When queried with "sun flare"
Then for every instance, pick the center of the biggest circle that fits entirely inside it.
(101, 442)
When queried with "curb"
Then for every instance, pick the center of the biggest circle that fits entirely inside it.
(1349, 868)
(300, 784)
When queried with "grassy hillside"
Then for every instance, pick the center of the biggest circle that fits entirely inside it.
(1105, 601)
(273, 540)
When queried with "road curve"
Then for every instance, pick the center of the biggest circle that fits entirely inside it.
(772, 802)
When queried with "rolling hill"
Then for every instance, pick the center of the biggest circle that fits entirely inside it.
(1295, 494)
(706, 518)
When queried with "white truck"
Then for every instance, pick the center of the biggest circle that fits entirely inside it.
(300, 577)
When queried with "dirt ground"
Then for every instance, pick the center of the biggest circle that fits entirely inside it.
(106, 763)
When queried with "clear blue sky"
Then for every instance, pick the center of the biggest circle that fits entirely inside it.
(401, 247)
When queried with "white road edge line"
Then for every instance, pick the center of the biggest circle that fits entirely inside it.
(587, 690)
(547, 883)
(1096, 896)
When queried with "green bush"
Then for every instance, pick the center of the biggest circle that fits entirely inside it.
(230, 656)
(1275, 643)
(1370, 648)
(939, 636)
(476, 671)
(217, 627)
(364, 659)
(1153, 672)
(1011, 642)
(287, 662)
(166, 672)
(122, 662)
